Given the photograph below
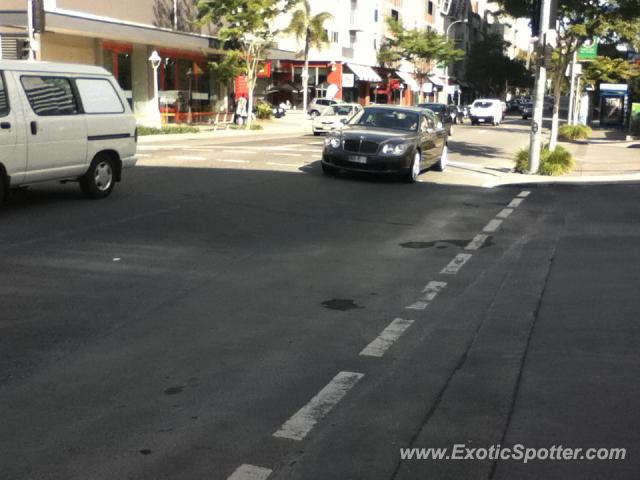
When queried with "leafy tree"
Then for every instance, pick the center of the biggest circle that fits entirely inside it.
(246, 26)
(579, 21)
(610, 70)
(491, 70)
(308, 29)
(229, 67)
(422, 48)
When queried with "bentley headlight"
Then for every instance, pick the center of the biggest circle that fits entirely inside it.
(395, 148)
(333, 142)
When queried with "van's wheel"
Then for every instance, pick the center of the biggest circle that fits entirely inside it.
(100, 179)
(441, 164)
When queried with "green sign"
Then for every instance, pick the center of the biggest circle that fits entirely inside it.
(589, 50)
(634, 126)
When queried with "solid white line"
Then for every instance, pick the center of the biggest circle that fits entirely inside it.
(186, 157)
(235, 161)
(515, 203)
(456, 264)
(477, 242)
(389, 335)
(492, 226)
(286, 164)
(524, 194)
(504, 213)
(298, 426)
(250, 472)
(430, 291)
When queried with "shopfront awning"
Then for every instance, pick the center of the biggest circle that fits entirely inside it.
(408, 79)
(364, 73)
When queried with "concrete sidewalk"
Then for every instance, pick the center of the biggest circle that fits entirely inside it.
(295, 122)
(605, 158)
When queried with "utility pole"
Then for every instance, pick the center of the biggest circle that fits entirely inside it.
(535, 140)
(31, 31)
(572, 91)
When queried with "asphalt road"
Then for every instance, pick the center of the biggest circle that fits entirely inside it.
(247, 320)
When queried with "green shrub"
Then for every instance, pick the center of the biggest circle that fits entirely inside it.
(256, 126)
(264, 111)
(167, 129)
(522, 161)
(574, 132)
(553, 163)
(557, 163)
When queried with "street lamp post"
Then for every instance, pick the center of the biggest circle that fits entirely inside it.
(446, 67)
(154, 118)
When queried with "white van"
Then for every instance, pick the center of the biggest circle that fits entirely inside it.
(63, 122)
(486, 110)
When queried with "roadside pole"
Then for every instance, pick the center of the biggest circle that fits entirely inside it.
(572, 91)
(31, 31)
(535, 140)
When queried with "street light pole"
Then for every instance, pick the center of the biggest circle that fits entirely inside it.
(535, 140)
(446, 67)
(155, 120)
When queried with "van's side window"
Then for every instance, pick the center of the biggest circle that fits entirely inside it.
(50, 95)
(98, 96)
(4, 98)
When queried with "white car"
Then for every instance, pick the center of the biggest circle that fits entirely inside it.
(334, 117)
(486, 110)
(63, 122)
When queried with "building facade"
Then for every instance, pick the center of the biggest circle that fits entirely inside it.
(121, 35)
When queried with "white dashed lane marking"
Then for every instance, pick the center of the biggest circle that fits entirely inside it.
(429, 293)
(515, 203)
(389, 335)
(492, 226)
(298, 426)
(456, 264)
(477, 242)
(235, 161)
(504, 213)
(250, 472)
(524, 194)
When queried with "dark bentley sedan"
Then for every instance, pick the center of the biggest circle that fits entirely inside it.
(388, 139)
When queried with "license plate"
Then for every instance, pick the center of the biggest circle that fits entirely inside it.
(481, 120)
(357, 159)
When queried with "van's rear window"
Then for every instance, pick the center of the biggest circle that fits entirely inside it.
(98, 96)
(50, 95)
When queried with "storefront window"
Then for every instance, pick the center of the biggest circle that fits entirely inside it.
(117, 60)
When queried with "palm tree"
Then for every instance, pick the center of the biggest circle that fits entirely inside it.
(310, 30)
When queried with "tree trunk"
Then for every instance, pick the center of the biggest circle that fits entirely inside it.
(305, 75)
(555, 121)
